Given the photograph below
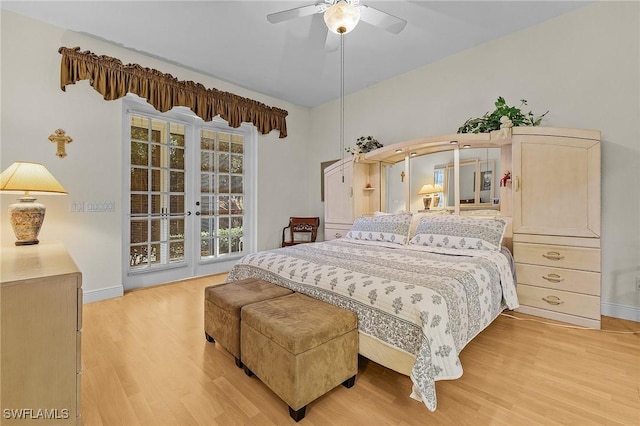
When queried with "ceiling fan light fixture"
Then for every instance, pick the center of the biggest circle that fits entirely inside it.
(342, 17)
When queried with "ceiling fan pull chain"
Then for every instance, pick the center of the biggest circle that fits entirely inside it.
(342, 101)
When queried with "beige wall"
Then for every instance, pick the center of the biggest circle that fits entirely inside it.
(582, 66)
(33, 106)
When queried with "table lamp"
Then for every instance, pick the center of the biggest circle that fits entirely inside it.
(427, 189)
(437, 189)
(26, 217)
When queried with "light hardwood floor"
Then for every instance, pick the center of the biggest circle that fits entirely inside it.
(146, 362)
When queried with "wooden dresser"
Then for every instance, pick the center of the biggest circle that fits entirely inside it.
(556, 223)
(41, 314)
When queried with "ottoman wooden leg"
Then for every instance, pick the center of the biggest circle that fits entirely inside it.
(297, 415)
(247, 371)
(209, 338)
(349, 382)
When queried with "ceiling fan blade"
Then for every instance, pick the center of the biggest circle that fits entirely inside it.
(318, 32)
(381, 19)
(297, 12)
(332, 42)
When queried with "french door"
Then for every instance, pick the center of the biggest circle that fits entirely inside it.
(221, 203)
(186, 198)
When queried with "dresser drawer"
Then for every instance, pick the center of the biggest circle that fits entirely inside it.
(78, 351)
(587, 259)
(559, 278)
(582, 305)
(333, 232)
(78, 400)
(79, 306)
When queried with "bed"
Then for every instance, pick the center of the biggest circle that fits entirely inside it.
(421, 292)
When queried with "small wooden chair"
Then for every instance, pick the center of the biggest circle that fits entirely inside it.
(300, 230)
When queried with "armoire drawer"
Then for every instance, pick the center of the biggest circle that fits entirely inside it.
(559, 278)
(334, 232)
(587, 259)
(582, 305)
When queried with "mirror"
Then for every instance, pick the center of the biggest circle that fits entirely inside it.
(479, 179)
(422, 171)
(395, 202)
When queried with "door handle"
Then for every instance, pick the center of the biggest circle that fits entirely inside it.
(189, 213)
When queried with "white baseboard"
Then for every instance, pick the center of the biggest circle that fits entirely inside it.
(617, 310)
(89, 296)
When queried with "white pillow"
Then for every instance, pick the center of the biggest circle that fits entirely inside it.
(415, 220)
(460, 232)
(392, 228)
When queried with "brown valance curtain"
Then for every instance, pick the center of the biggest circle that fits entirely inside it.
(114, 80)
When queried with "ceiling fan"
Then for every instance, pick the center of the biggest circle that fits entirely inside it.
(341, 16)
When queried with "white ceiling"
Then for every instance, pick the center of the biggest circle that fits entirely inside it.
(234, 42)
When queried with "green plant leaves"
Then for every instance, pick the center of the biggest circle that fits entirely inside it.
(491, 120)
(364, 144)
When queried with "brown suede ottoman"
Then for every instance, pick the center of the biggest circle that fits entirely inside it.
(300, 347)
(222, 305)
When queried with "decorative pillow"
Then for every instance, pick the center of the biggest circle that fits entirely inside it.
(460, 232)
(417, 217)
(392, 228)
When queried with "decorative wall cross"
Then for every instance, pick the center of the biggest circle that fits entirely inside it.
(402, 175)
(60, 139)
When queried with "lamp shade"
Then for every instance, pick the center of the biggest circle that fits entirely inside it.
(26, 217)
(342, 17)
(437, 188)
(427, 189)
(32, 178)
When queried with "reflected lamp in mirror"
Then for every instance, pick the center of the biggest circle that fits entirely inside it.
(436, 195)
(30, 179)
(428, 190)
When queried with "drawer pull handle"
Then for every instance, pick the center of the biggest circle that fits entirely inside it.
(338, 235)
(554, 278)
(553, 255)
(552, 300)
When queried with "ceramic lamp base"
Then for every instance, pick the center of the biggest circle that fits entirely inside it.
(26, 219)
(427, 202)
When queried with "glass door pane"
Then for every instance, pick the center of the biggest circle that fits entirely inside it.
(221, 194)
(157, 193)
